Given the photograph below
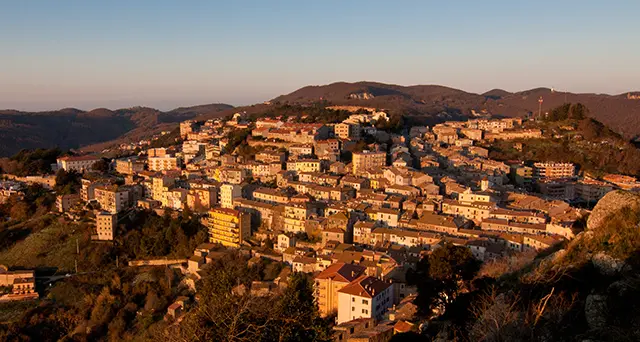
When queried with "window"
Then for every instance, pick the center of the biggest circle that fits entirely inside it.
(353, 308)
(353, 299)
(365, 302)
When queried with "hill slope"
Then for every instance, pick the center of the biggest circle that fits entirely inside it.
(429, 101)
(71, 128)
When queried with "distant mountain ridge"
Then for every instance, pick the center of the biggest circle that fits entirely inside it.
(73, 128)
(423, 104)
(426, 101)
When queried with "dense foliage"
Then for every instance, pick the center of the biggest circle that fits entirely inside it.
(150, 235)
(30, 162)
(227, 312)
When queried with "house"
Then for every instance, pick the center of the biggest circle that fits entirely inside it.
(364, 297)
(330, 281)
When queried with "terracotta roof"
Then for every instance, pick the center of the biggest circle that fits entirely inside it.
(341, 272)
(365, 286)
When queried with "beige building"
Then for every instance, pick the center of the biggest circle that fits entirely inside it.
(22, 282)
(305, 165)
(201, 199)
(106, 224)
(65, 202)
(77, 163)
(129, 166)
(228, 227)
(348, 131)
(228, 192)
(368, 161)
(112, 198)
(330, 281)
(164, 163)
(552, 170)
(160, 185)
(295, 216)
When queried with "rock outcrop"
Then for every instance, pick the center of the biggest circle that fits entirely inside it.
(611, 203)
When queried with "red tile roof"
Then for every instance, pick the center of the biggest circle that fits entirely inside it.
(365, 286)
(341, 272)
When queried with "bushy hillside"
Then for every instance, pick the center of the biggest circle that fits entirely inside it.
(584, 290)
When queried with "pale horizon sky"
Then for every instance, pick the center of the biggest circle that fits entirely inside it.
(166, 54)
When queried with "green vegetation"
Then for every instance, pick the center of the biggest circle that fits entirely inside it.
(236, 138)
(30, 162)
(442, 275)
(576, 111)
(67, 182)
(228, 313)
(170, 139)
(587, 143)
(150, 235)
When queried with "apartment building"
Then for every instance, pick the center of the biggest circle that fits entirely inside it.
(551, 170)
(348, 131)
(269, 195)
(229, 192)
(201, 199)
(305, 165)
(112, 198)
(364, 297)
(76, 163)
(129, 166)
(368, 161)
(186, 127)
(295, 216)
(160, 185)
(106, 224)
(474, 212)
(164, 163)
(330, 281)
(66, 202)
(228, 227)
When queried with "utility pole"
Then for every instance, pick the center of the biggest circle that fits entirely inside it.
(76, 261)
(77, 247)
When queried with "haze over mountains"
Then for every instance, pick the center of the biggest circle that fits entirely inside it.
(72, 128)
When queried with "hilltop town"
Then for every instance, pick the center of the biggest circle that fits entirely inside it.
(354, 204)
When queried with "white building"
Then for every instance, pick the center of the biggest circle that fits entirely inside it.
(76, 163)
(365, 297)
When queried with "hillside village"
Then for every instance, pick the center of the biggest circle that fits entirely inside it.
(351, 204)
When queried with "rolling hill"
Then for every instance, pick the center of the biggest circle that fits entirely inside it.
(72, 128)
(437, 102)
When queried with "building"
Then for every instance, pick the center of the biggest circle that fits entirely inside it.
(106, 224)
(551, 170)
(295, 216)
(22, 282)
(368, 161)
(364, 297)
(186, 127)
(76, 163)
(164, 163)
(348, 131)
(112, 198)
(330, 281)
(200, 199)
(228, 192)
(228, 227)
(129, 166)
(66, 202)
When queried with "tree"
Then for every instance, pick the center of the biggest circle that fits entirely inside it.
(101, 165)
(440, 276)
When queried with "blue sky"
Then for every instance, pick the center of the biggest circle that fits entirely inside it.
(164, 54)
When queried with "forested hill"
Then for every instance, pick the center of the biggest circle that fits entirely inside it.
(73, 128)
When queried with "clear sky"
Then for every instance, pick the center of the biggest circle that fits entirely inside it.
(164, 54)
